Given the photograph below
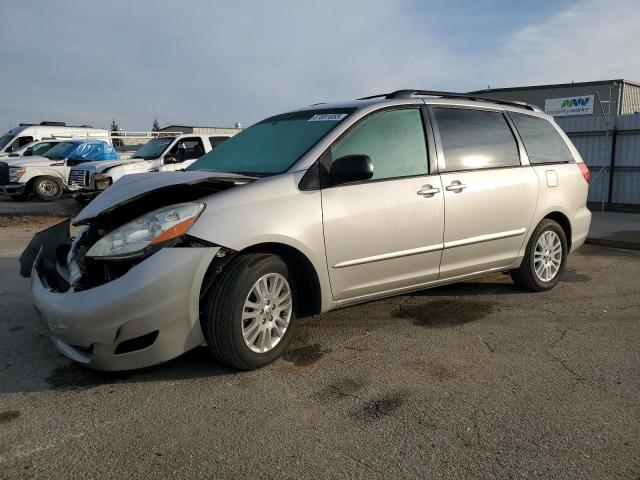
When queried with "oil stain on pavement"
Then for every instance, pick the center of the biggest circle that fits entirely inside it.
(445, 313)
(9, 415)
(305, 356)
(339, 390)
(377, 408)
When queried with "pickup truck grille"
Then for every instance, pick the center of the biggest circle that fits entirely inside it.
(79, 178)
(4, 173)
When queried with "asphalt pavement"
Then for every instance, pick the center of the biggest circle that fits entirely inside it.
(474, 380)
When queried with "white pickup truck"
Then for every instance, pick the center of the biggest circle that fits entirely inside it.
(46, 175)
(164, 154)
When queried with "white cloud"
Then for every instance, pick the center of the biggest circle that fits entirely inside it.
(594, 40)
(216, 63)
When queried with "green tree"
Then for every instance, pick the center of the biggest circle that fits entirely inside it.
(156, 125)
(115, 128)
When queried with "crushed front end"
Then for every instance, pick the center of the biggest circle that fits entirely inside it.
(125, 311)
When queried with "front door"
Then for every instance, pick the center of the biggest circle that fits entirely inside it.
(384, 234)
(489, 196)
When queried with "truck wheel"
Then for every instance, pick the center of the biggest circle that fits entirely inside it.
(544, 258)
(248, 316)
(47, 188)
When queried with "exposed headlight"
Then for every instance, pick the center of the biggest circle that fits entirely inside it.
(16, 173)
(153, 229)
(102, 181)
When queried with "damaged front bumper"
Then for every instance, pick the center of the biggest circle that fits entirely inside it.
(147, 316)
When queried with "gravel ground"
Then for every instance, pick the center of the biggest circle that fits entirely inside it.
(474, 380)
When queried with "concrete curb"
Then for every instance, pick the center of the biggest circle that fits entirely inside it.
(613, 243)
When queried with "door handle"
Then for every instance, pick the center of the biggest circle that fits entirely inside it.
(455, 187)
(427, 191)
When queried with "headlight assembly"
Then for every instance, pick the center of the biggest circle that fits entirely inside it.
(154, 229)
(102, 181)
(16, 173)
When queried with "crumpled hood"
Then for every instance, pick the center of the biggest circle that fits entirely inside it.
(35, 161)
(131, 187)
(101, 165)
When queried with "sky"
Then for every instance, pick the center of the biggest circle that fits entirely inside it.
(214, 63)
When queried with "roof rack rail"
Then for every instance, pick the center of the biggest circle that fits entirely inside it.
(463, 96)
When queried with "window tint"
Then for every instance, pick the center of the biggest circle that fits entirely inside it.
(394, 141)
(542, 142)
(473, 139)
(40, 148)
(215, 141)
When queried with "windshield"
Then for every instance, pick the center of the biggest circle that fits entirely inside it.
(60, 151)
(153, 148)
(5, 139)
(273, 145)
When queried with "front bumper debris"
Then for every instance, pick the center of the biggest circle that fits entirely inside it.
(147, 316)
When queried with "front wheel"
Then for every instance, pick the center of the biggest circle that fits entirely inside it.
(248, 317)
(544, 258)
(47, 188)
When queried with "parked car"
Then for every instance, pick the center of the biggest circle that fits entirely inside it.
(166, 153)
(17, 138)
(46, 175)
(305, 212)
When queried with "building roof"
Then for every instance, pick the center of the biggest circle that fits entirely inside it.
(557, 85)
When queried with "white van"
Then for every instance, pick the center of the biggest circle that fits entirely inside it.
(18, 137)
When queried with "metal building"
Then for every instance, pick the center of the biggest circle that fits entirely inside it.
(603, 120)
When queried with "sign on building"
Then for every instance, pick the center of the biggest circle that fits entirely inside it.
(560, 107)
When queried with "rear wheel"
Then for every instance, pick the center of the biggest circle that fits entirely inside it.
(248, 317)
(544, 258)
(47, 188)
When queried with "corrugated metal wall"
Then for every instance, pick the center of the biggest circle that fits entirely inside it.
(630, 99)
(595, 143)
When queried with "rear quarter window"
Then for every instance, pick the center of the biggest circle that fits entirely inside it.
(541, 140)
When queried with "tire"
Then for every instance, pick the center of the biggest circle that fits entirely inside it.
(526, 275)
(224, 305)
(47, 188)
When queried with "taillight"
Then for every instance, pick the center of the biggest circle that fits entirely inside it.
(585, 171)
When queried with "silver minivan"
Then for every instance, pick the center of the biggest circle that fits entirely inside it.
(305, 212)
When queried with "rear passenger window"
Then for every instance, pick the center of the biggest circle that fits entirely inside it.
(394, 140)
(215, 141)
(474, 139)
(542, 142)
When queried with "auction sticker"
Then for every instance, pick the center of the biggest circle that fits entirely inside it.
(331, 117)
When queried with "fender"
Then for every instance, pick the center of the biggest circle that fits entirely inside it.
(59, 172)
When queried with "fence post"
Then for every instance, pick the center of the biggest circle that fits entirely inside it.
(612, 163)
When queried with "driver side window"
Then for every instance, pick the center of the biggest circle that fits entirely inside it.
(394, 141)
(187, 149)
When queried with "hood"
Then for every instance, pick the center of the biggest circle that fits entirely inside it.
(157, 188)
(101, 165)
(35, 161)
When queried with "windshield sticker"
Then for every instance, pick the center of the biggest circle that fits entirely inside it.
(331, 117)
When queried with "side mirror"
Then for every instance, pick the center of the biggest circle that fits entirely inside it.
(351, 168)
(169, 158)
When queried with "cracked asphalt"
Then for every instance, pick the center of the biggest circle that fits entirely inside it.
(473, 380)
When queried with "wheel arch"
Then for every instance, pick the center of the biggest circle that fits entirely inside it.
(563, 221)
(305, 274)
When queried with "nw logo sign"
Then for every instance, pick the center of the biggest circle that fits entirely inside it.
(559, 107)
(575, 102)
